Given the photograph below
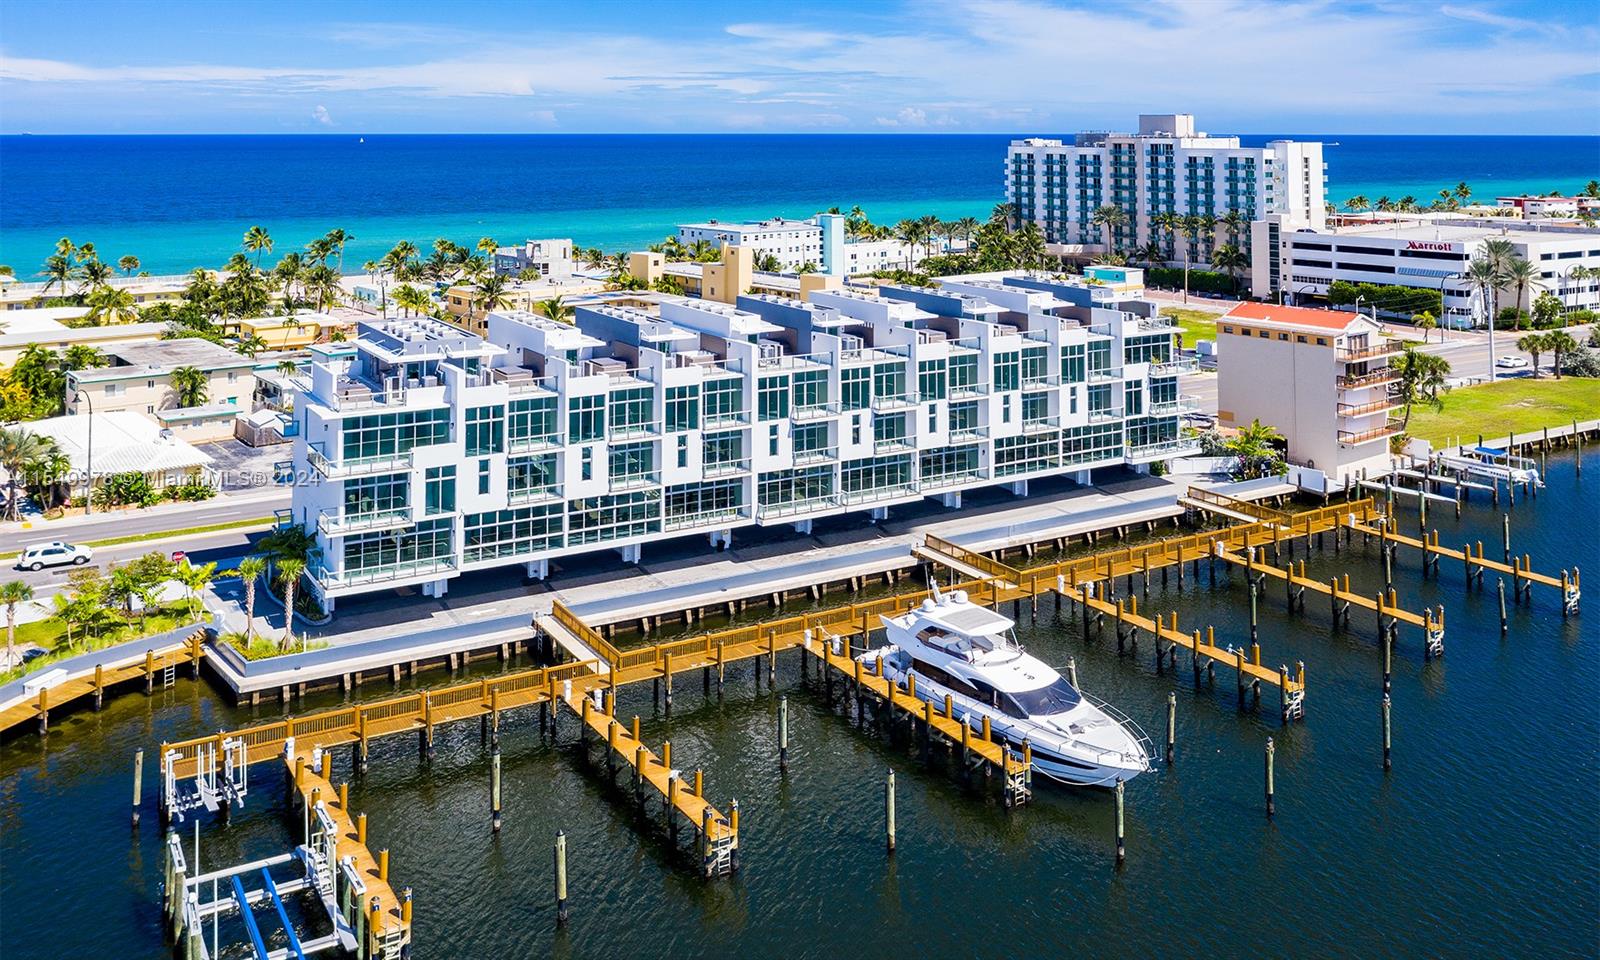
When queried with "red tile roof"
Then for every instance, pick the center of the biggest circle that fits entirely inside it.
(1335, 320)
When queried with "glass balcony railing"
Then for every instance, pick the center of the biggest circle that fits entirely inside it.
(704, 518)
(635, 481)
(1178, 447)
(731, 418)
(821, 455)
(380, 573)
(544, 493)
(727, 468)
(896, 401)
(543, 441)
(1040, 425)
(813, 411)
(356, 466)
(874, 494)
(334, 524)
(1171, 367)
(892, 444)
(1105, 374)
(790, 508)
(967, 434)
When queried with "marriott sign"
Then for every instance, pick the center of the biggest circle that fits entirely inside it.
(1430, 245)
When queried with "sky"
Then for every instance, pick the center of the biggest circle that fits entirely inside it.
(953, 66)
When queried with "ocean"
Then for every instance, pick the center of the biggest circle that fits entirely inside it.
(180, 201)
(1479, 843)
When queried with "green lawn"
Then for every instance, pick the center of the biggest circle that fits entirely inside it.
(1194, 324)
(51, 634)
(1496, 410)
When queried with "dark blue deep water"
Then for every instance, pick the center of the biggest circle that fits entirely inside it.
(1482, 842)
(179, 201)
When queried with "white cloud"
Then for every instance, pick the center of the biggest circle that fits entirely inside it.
(321, 116)
(976, 64)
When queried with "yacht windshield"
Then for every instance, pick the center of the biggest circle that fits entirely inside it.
(1058, 697)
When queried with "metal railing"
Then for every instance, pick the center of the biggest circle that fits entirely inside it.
(1371, 379)
(1175, 447)
(355, 466)
(967, 434)
(333, 579)
(544, 493)
(892, 444)
(1041, 382)
(726, 468)
(876, 494)
(635, 481)
(703, 518)
(1362, 409)
(543, 441)
(335, 524)
(813, 411)
(1354, 437)
(1105, 374)
(1354, 354)
(1171, 367)
(768, 511)
(897, 401)
(804, 458)
(1041, 425)
(725, 419)
(968, 391)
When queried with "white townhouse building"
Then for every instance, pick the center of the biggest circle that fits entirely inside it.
(1433, 254)
(1167, 167)
(794, 242)
(433, 452)
(552, 258)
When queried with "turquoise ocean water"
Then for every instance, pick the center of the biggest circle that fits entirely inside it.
(176, 202)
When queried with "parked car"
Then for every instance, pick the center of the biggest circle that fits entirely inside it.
(53, 554)
(1511, 362)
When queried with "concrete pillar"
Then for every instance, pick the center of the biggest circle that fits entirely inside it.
(1080, 477)
(803, 527)
(536, 569)
(951, 499)
(721, 539)
(1141, 468)
(631, 552)
(880, 514)
(327, 604)
(1018, 488)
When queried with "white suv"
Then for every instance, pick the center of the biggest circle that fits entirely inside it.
(53, 554)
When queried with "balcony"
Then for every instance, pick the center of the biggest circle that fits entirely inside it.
(897, 401)
(968, 391)
(544, 493)
(334, 524)
(1351, 438)
(635, 481)
(813, 411)
(968, 434)
(336, 579)
(1044, 382)
(1363, 409)
(731, 418)
(955, 479)
(726, 468)
(892, 444)
(1041, 425)
(705, 518)
(1371, 379)
(356, 466)
(778, 511)
(1104, 416)
(534, 444)
(1173, 367)
(804, 458)
(630, 431)
(876, 494)
(1368, 351)
(1105, 375)
(1167, 408)
(1163, 449)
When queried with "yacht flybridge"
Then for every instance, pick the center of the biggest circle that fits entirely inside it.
(957, 647)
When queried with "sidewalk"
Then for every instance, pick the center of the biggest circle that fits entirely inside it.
(133, 520)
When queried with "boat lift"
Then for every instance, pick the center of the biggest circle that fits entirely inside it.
(1491, 463)
(221, 782)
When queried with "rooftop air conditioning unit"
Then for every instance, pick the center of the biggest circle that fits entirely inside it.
(931, 336)
(769, 349)
(850, 341)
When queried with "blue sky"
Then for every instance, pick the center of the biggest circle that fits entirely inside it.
(1012, 66)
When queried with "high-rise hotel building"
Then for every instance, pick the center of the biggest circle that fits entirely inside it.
(1167, 167)
(431, 452)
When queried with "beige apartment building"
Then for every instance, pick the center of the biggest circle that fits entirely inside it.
(139, 377)
(1321, 377)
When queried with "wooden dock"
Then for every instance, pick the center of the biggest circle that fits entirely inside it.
(1520, 568)
(155, 665)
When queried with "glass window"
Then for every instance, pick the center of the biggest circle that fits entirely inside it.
(531, 419)
(1007, 369)
(371, 495)
(683, 408)
(588, 463)
(630, 411)
(485, 430)
(439, 490)
(964, 416)
(614, 517)
(855, 391)
(1035, 364)
(390, 434)
(889, 426)
(1132, 399)
(722, 448)
(508, 533)
(586, 418)
(632, 461)
(527, 474)
(1035, 407)
(789, 487)
(772, 398)
(932, 379)
(888, 380)
(483, 477)
(1099, 355)
(810, 389)
(812, 436)
(724, 400)
(963, 372)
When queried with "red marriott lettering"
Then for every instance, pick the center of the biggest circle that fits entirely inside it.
(1428, 245)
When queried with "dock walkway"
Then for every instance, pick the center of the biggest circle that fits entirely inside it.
(92, 674)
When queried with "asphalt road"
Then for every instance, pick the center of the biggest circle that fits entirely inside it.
(224, 547)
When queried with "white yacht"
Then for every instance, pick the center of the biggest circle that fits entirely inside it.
(956, 647)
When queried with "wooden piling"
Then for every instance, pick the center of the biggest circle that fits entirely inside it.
(1253, 626)
(888, 803)
(783, 733)
(1386, 708)
(1271, 805)
(1072, 672)
(1503, 624)
(561, 878)
(1122, 850)
(138, 783)
(494, 790)
(1172, 725)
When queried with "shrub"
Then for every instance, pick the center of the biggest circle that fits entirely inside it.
(1206, 281)
(1581, 362)
(189, 491)
(126, 489)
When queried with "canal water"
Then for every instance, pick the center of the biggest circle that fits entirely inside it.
(1481, 841)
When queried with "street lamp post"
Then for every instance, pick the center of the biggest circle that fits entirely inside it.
(79, 396)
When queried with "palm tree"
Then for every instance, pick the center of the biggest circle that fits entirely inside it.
(1109, 217)
(1005, 214)
(19, 450)
(191, 384)
(82, 356)
(337, 238)
(1357, 203)
(1030, 247)
(1463, 191)
(966, 227)
(250, 570)
(322, 281)
(1234, 222)
(1165, 222)
(13, 592)
(289, 571)
(1525, 276)
(1230, 259)
(128, 264)
(411, 299)
(491, 295)
(1423, 379)
(319, 250)
(109, 305)
(1189, 226)
(96, 274)
(1426, 321)
(257, 240)
(250, 345)
(1559, 343)
(930, 226)
(1383, 205)
(50, 472)
(1533, 344)
(1484, 275)
(555, 309)
(194, 580)
(1149, 253)
(58, 271)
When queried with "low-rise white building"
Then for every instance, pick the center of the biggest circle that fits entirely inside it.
(552, 258)
(1321, 377)
(793, 242)
(1431, 254)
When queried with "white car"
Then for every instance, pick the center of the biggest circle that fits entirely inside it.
(1511, 362)
(53, 554)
